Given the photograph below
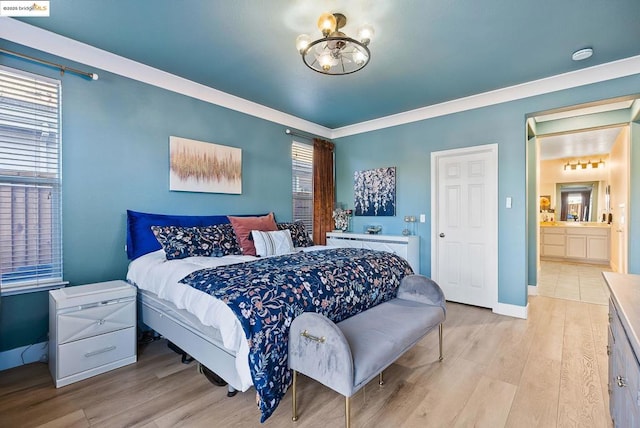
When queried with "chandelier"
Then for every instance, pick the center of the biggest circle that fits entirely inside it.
(335, 53)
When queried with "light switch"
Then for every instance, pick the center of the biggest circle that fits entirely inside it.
(508, 201)
(423, 218)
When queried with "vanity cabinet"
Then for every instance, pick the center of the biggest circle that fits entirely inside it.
(553, 242)
(623, 349)
(575, 243)
(576, 246)
(407, 247)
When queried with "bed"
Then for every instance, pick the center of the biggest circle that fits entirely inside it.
(194, 300)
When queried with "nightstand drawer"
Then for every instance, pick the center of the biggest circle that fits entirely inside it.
(95, 320)
(86, 354)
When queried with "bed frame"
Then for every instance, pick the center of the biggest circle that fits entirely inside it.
(182, 328)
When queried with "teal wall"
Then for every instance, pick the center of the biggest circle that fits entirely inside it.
(115, 157)
(409, 148)
(115, 148)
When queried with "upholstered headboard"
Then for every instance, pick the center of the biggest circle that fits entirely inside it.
(140, 238)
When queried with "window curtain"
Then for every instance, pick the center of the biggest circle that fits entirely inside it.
(323, 190)
(564, 206)
(586, 203)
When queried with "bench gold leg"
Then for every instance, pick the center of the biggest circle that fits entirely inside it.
(380, 379)
(347, 412)
(294, 409)
(440, 341)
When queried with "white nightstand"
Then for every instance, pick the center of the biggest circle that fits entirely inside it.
(92, 329)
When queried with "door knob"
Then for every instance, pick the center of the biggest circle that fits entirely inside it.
(442, 235)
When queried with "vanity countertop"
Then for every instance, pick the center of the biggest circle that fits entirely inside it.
(574, 224)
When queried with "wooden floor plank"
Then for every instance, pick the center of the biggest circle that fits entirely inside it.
(581, 403)
(488, 406)
(536, 401)
(75, 419)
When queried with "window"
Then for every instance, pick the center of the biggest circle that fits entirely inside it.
(302, 183)
(30, 179)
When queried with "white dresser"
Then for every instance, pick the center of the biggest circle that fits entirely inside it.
(407, 247)
(624, 349)
(92, 329)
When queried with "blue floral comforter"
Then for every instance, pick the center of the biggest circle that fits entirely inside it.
(267, 294)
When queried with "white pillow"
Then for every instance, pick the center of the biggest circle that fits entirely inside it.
(273, 243)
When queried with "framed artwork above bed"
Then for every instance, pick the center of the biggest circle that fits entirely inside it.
(197, 166)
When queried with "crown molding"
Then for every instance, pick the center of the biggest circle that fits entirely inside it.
(586, 76)
(55, 44)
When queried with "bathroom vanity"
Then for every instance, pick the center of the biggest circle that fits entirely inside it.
(587, 242)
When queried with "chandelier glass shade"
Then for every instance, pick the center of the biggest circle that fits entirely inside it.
(335, 53)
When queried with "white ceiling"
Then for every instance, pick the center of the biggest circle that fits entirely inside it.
(579, 144)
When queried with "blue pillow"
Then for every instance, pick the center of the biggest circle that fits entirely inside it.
(140, 238)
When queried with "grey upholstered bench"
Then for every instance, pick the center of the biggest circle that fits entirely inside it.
(347, 355)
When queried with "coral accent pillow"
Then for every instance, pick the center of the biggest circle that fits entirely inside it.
(243, 226)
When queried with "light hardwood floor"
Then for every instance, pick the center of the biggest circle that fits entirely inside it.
(547, 371)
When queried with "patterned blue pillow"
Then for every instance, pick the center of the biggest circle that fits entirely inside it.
(225, 238)
(299, 234)
(179, 242)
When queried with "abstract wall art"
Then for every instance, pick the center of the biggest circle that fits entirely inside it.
(197, 166)
(375, 192)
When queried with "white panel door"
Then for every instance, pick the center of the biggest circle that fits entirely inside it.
(464, 229)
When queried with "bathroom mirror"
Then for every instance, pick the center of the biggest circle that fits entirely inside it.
(579, 201)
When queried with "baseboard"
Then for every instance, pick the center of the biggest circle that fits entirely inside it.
(512, 310)
(532, 290)
(38, 352)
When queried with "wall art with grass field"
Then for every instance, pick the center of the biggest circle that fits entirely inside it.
(197, 166)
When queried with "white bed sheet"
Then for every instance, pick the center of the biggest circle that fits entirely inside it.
(154, 273)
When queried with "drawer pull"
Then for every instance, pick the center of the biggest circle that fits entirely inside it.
(311, 337)
(99, 351)
(621, 381)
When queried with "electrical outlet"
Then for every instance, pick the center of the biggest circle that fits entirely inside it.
(423, 218)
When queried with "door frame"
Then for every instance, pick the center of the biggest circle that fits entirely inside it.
(492, 149)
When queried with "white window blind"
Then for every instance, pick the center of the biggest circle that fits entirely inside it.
(302, 183)
(30, 181)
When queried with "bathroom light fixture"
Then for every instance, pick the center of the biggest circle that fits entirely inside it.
(583, 165)
(582, 54)
(335, 53)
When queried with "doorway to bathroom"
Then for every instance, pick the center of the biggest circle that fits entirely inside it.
(578, 198)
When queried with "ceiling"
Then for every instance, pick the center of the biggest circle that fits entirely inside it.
(424, 52)
(579, 144)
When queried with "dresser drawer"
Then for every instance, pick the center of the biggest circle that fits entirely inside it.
(95, 320)
(86, 354)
